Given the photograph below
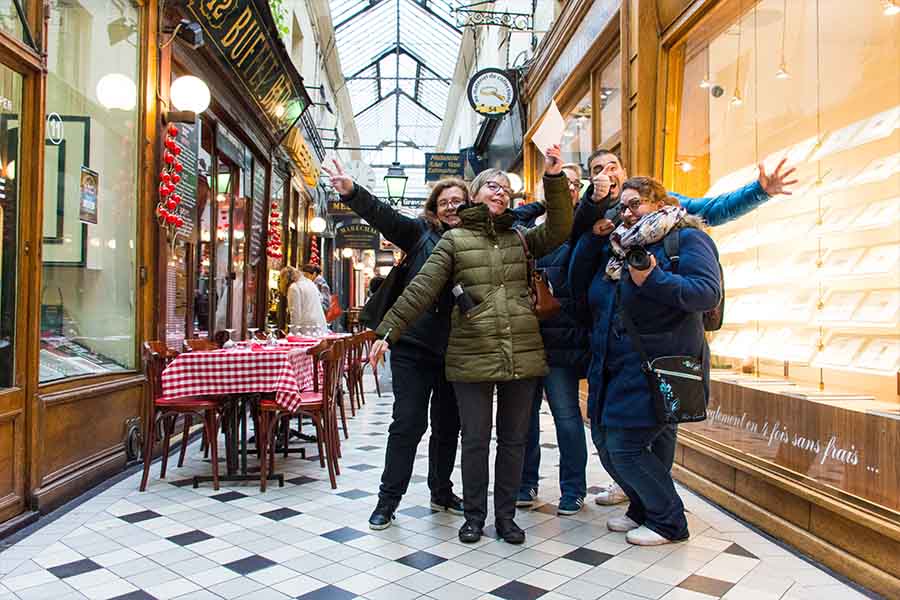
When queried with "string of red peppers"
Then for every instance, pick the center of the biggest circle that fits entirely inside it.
(167, 211)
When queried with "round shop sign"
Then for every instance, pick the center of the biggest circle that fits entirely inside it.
(55, 132)
(492, 92)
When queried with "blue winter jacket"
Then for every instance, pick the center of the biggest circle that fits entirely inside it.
(566, 339)
(666, 310)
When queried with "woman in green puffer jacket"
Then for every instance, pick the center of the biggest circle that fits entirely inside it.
(497, 342)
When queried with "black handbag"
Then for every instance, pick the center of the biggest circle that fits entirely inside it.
(677, 384)
(383, 299)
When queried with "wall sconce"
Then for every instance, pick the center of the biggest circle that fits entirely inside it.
(118, 91)
(317, 224)
(190, 96)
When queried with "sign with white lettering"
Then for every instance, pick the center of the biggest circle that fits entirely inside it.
(357, 235)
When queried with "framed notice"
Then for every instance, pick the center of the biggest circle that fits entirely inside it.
(90, 183)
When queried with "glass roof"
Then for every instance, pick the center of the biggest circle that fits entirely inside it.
(397, 51)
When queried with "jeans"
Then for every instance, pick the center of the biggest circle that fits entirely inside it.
(414, 381)
(514, 403)
(561, 385)
(644, 475)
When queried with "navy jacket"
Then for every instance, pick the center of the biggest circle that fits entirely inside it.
(667, 311)
(430, 333)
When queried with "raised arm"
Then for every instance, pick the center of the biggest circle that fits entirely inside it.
(392, 224)
(549, 235)
(421, 293)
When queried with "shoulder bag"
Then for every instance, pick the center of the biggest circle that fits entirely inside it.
(543, 303)
(383, 299)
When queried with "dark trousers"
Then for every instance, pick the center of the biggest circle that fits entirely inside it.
(415, 380)
(514, 404)
(642, 467)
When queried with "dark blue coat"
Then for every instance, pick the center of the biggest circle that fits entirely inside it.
(667, 311)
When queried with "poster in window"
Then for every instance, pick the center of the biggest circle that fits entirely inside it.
(90, 183)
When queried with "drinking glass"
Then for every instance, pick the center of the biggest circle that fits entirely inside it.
(251, 333)
(229, 343)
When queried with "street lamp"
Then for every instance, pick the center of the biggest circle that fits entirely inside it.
(395, 180)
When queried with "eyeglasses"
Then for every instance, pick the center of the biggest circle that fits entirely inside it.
(450, 203)
(632, 205)
(495, 187)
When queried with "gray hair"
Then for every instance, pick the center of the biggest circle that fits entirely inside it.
(483, 177)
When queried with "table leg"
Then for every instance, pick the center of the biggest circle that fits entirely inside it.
(243, 436)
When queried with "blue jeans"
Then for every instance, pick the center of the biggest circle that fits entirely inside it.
(561, 385)
(644, 475)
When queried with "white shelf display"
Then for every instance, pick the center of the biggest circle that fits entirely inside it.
(880, 307)
(881, 259)
(787, 343)
(840, 306)
(881, 355)
(879, 214)
(839, 352)
(842, 262)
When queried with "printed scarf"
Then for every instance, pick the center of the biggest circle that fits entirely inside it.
(650, 229)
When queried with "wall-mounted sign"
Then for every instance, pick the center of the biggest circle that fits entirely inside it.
(246, 38)
(338, 208)
(298, 150)
(90, 183)
(438, 166)
(188, 139)
(55, 131)
(357, 235)
(492, 92)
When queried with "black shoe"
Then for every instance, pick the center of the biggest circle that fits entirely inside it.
(382, 516)
(509, 531)
(448, 502)
(470, 532)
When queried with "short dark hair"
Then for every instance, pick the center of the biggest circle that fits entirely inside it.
(650, 190)
(601, 152)
(314, 269)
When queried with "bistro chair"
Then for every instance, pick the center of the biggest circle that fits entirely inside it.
(199, 345)
(194, 345)
(319, 405)
(164, 412)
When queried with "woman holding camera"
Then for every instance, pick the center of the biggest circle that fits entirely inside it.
(629, 275)
(496, 343)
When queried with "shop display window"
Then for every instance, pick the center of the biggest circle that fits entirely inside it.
(577, 137)
(611, 103)
(812, 279)
(10, 108)
(87, 297)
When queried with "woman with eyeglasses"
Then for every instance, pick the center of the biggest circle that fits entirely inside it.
(495, 341)
(666, 307)
(417, 357)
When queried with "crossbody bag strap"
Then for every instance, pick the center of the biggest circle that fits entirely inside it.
(631, 329)
(415, 249)
(529, 260)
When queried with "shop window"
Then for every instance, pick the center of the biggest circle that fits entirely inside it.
(610, 99)
(576, 141)
(10, 107)
(90, 192)
(11, 19)
(812, 279)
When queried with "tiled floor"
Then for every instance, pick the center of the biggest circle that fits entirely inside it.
(306, 541)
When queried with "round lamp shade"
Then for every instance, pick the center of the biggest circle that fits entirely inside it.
(117, 91)
(190, 93)
(317, 225)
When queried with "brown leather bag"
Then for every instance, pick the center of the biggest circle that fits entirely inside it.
(544, 305)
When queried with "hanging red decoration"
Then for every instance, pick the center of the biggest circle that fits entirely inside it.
(314, 258)
(167, 211)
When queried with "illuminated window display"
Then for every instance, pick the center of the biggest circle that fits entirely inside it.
(812, 312)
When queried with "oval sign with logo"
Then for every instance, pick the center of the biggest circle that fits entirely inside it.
(492, 92)
(55, 131)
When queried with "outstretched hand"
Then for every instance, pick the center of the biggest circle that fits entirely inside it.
(553, 160)
(340, 181)
(777, 182)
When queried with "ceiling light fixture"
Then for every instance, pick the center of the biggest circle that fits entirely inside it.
(891, 7)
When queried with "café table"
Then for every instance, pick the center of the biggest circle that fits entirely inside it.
(243, 372)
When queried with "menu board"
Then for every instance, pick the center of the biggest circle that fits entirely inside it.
(188, 139)
(257, 223)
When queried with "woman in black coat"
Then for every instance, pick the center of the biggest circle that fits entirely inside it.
(417, 359)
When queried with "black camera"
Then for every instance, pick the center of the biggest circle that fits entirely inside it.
(638, 258)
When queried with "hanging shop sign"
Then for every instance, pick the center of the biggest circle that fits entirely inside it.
(299, 152)
(245, 36)
(357, 235)
(492, 92)
(338, 208)
(438, 166)
(90, 183)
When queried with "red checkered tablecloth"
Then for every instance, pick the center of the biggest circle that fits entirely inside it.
(287, 371)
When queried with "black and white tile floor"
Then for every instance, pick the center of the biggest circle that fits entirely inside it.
(306, 541)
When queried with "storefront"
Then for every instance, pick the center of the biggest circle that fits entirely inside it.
(804, 426)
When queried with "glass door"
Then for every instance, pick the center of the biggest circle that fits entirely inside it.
(222, 245)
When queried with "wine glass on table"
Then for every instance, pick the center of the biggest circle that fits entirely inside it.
(229, 343)
(251, 333)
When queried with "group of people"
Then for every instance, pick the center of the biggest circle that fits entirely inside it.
(464, 327)
(308, 297)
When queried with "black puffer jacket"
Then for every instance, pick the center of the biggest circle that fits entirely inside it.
(567, 336)
(429, 334)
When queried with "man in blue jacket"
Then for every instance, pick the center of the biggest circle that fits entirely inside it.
(566, 337)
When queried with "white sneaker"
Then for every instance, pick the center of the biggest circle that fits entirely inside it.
(646, 537)
(621, 524)
(611, 495)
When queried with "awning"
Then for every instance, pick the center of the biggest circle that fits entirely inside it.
(245, 37)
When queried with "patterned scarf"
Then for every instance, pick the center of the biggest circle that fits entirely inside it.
(649, 229)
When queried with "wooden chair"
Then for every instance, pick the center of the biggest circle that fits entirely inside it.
(195, 345)
(369, 338)
(156, 355)
(200, 345)
(319, 406)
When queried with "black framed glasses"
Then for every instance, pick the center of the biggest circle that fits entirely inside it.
(495, 187)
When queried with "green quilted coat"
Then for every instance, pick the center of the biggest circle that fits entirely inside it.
(500, 339)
